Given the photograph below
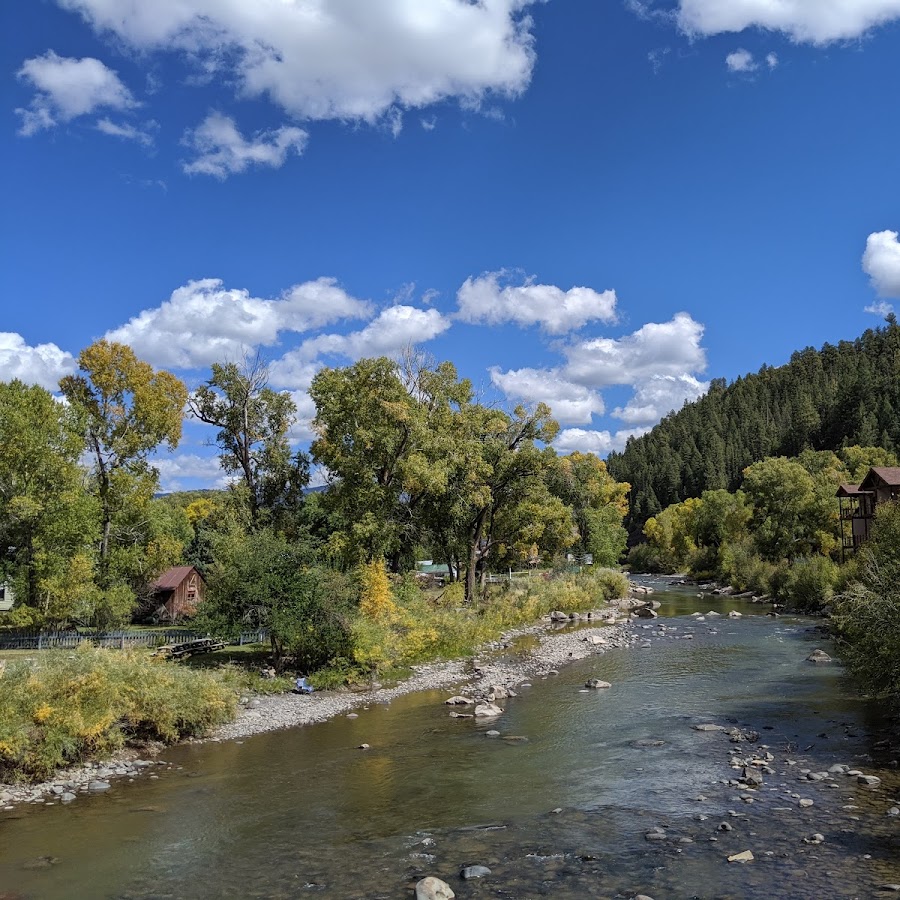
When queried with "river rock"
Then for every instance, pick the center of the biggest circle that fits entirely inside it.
(492, 733)
(558, 616)
(708, 727)
(459, 701)
(646, 612)
(734, 614)
(486, 710)
(597, 684)
(593, 639)
(499, 692)
(67, 797)
(818, 656)
(804, 803)
(889, 888)
(474, 872)
(98, 786)
(432, 888)
(744, 857)
(868, 780)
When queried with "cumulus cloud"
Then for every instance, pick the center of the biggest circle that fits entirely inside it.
(772, 60)
(806, 21)
(659, 360)
(67, 88)
(204, 322)
(485, 300)
(599, 442)
(180, 471)
(666, 348)
(44, 364)
(344, 60)
(740, 61)
(881, 262)
(658, 396)
(395, 329)
(222, 150)
(571, 403)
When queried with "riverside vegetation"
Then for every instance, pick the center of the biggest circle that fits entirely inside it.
(418, 468)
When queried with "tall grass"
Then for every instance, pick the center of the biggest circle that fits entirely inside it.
(420, 629)
(70, 706)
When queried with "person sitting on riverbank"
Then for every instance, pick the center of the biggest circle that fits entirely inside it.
(302, 687)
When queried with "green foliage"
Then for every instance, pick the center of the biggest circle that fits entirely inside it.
(808, 584)
(68, 707)
(833, 398)
(867, 613)
(262, 580)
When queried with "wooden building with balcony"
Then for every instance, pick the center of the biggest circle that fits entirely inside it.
(858, 503)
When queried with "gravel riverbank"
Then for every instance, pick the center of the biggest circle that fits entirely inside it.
(490, 668)
(499, 665)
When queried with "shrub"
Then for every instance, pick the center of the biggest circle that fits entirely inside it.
(809, 583)
(867, 613)
(744, 570)
(645, 558)
(69, 707)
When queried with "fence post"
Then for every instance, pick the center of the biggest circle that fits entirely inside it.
(40, 641)
(122, 641)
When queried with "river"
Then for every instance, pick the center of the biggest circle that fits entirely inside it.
(563, 809)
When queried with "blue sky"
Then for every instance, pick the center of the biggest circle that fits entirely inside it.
(598, 204)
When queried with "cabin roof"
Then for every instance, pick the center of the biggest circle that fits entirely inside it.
(850, 490)
(171, 578)
(886, 475)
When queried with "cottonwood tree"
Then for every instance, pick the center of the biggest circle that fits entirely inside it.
(47, 517)
(129, 409)
(253, 422)
(385, 432)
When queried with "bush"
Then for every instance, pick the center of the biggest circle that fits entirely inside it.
(645, 558)
(867, 613)
(808, 583)
(69, 707)
(744, 570)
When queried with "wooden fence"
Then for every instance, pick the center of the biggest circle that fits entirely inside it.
(122, 640)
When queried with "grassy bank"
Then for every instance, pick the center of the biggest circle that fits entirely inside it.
(65, 707)
(61, 707)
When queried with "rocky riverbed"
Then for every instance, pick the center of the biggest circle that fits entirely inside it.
(498, 665)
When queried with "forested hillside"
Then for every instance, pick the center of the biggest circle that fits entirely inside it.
(825, 399)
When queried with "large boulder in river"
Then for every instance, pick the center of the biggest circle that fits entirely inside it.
(818, 656)
(645, 612)
(459, 701)
(486, 710)
(597, 684)
(559, 616)
(432, 888)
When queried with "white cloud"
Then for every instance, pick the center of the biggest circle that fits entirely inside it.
(881, 262)
(484, 300)
(346, 59)
(807, 21)
(128, 132)
(67, 88)
(658, 396)
(571, 403)
(182, 470)
(222, 150)
(599, 442)
(203, 322)
(740, 61)
(880, 308)
(395, 329)
(772, 60)
(667, 348)
(44, 364)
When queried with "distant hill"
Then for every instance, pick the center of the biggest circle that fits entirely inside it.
(822, 399)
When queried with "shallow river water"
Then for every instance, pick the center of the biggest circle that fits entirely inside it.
(561, 811)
